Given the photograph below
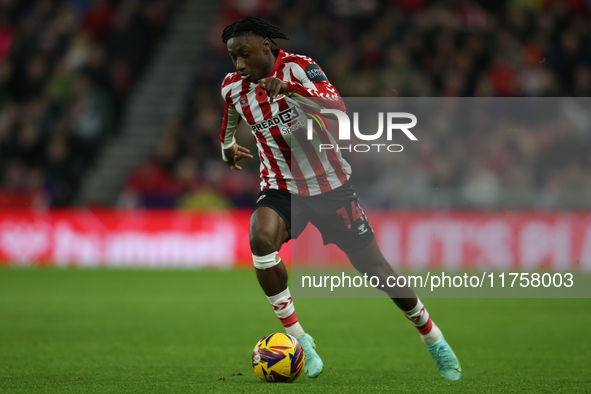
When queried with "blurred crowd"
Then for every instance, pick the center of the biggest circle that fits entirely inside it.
(67, 68)
(68, 76)
(421, 48)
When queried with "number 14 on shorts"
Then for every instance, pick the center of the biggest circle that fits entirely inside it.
(357, 212)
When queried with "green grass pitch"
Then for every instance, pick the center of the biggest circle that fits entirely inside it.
(142, 331)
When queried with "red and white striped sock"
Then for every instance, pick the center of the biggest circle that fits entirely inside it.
(419, 317)
(283, 306)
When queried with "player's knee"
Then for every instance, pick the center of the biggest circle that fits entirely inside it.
(262, 243)
(267, 261)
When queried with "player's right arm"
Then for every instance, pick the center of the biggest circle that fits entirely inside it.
(231, 151)
(233, 154)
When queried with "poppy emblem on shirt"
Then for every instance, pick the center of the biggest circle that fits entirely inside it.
(261, 95)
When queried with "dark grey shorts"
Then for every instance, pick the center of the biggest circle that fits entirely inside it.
(336, 214)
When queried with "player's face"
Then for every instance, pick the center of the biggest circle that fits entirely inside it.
(251, 56)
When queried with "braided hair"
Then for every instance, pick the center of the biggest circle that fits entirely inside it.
(252, 25)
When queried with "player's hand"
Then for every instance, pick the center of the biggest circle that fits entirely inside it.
(234, 154)
(273, 86)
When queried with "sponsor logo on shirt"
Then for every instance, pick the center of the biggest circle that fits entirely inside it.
(287, 121)
(315, 74)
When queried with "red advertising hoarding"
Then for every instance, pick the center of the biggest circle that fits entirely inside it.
(414, 240)
(156, 238)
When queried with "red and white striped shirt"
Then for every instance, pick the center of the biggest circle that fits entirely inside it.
(289, 161)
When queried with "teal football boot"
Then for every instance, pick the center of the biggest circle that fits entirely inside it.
(447, 363)
(313, 365)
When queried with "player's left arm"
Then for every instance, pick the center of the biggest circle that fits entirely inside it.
(309, 85)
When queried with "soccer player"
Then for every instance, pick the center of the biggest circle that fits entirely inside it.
(270, 90)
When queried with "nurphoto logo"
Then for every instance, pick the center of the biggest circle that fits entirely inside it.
(345, 131)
